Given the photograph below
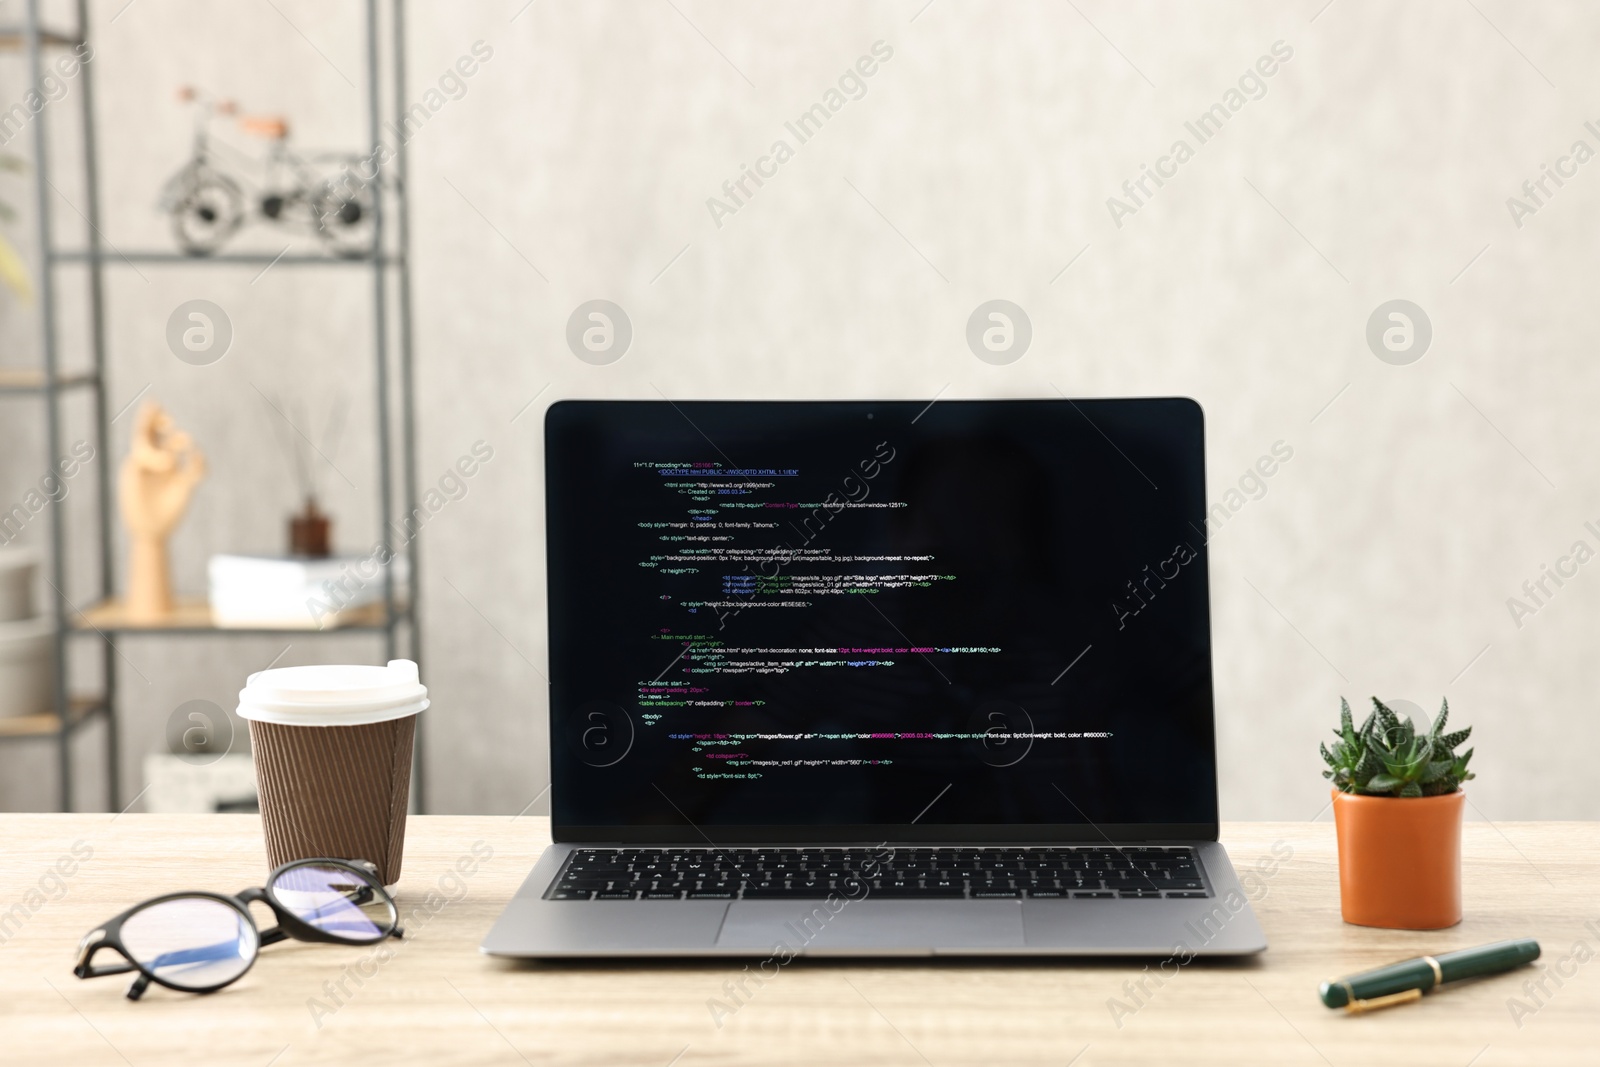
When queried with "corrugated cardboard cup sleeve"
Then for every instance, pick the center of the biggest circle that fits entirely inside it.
(335, 791)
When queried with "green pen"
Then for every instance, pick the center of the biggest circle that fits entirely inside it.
(1407, 980)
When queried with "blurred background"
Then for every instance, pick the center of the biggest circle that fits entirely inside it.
(528, 158)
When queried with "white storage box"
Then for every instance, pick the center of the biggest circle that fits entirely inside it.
(27, 661)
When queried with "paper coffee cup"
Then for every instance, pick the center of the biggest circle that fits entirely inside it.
(333, 759)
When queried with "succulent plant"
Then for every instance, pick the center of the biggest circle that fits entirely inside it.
(1386, 757)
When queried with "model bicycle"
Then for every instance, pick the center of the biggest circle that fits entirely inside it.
(208, 202)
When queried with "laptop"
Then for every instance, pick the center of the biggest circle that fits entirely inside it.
(890, 678)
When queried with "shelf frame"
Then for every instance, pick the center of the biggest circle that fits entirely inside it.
(48, 723)
(388, 259)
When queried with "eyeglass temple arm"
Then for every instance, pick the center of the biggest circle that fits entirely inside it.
(204, 954)
(100, 970)
(86, 968)
(366, 894)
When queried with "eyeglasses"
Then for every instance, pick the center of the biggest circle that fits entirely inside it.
(198, 942)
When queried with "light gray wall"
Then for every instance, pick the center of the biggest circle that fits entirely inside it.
(977, 165)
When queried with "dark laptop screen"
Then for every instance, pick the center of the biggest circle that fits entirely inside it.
(801, 621)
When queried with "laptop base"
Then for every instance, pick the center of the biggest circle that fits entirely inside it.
(533, 927)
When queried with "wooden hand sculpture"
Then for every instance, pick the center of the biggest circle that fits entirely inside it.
(157, 479)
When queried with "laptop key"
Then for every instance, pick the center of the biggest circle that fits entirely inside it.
(710, 894)
(1186, 895)
(1093, 894)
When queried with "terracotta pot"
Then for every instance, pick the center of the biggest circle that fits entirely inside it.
(1400, 860)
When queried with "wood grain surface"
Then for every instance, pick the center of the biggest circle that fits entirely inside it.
(433, 999)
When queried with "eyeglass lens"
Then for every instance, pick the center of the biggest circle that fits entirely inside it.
(191, 942)
(336, 901)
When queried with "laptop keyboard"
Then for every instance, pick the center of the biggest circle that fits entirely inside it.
(853, 873)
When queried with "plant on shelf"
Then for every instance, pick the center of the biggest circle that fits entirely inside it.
(1397, 806)
(1387, 757)
(310, 529)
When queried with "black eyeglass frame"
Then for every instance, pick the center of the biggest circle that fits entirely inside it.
(108, 935)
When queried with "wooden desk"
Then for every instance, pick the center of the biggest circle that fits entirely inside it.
(437, 1001)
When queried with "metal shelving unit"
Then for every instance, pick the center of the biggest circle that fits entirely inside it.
(392, 349)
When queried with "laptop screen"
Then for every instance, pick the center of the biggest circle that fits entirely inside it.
(858, 621)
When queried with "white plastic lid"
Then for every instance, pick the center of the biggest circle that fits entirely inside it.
(333, 695)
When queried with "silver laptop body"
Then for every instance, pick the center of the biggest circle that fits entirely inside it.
(880, 679)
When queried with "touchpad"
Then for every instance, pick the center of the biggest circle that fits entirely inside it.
(878, 925)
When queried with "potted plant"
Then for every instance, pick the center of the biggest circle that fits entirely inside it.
(1397, 805)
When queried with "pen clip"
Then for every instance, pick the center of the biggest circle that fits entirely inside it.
(1405, 996)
